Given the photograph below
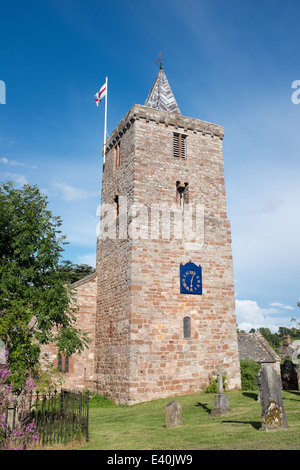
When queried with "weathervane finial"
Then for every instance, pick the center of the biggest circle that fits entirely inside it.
(160, 60)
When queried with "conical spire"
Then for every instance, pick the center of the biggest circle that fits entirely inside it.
(161, 95)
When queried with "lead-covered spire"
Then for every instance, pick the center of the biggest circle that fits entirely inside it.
(161, 95)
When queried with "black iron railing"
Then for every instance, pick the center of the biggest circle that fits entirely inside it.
(59, 416)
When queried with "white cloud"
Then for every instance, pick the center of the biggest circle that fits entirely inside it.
(11, 162)
(70, 193)
(279, 304)
(250, 315)
(21, 179)
(16, 177)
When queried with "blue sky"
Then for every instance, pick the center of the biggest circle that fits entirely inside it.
(232, 63)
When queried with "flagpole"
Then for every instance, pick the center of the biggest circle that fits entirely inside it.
(105, 124)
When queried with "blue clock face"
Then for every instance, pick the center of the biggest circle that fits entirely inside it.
(190, 279)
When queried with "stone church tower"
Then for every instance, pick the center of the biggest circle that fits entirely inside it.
(165, 305)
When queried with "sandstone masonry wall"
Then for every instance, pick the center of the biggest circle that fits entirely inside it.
(140, 346)
(81, 366)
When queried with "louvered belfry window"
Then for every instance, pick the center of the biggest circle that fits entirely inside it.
(179, 145)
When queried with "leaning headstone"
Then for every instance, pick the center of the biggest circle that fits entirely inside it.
(173, 414)
(273, 417)
(221, 402)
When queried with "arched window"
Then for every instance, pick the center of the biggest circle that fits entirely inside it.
(182, 193)
(187, 327)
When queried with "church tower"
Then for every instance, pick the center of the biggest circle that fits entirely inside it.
(165, 305)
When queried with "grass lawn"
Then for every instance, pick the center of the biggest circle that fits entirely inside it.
(142, 426)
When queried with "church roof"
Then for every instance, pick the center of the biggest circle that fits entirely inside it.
(161, 95)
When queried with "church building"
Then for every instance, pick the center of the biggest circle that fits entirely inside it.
(160, 308)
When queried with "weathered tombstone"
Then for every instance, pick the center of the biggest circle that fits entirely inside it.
(273, 417)
(289, 377)
(173, 414)
(221, 402)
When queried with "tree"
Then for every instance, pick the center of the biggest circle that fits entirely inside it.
(294, 332)
(75, 272)
(272, 338)
(35, 302)
(283, 330)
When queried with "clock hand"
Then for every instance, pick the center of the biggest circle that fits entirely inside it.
(192, 280)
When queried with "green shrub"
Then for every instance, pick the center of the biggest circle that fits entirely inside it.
(249, 371)
(213, 384)
(100, 401)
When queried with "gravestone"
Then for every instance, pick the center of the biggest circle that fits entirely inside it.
(289, 376)
(221, 402)
(273, 417)
(173, 414)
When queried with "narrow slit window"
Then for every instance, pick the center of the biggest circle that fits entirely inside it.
(117, 205)
(179, 146)
(59, 363)
(67, 364)
(110, 329)
(117, 155)
(186, 327)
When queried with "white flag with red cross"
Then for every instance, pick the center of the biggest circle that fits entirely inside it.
(101, 93)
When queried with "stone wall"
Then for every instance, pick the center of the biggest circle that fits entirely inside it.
(81, 366)
(114, 276)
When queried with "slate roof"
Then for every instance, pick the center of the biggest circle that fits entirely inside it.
(161, 95)
(253, 346)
